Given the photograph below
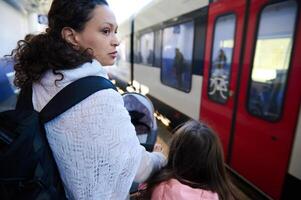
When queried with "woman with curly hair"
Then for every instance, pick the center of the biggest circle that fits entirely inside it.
(93, 143)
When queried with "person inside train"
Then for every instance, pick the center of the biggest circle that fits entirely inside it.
(220, 64)
(150, 57)
(93, 143)
(195, 168)
(179, 67)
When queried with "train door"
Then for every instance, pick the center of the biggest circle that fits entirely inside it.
(261, 119)
(269, 98)
(223, 51)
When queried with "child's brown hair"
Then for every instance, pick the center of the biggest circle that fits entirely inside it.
(195, 159)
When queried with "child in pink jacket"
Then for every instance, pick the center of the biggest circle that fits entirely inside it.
(195, 168)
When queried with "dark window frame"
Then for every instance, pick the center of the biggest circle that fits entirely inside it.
(199, 45)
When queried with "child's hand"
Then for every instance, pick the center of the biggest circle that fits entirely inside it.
(158, 148)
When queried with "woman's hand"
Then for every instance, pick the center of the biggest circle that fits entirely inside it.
(158, 148)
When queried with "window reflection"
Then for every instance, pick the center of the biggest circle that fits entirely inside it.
(124, 50)
(221, 58)
(177, 56)
(157, 55)
(146, 51)
(271, 60)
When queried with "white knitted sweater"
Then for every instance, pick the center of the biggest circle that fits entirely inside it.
(94, 143)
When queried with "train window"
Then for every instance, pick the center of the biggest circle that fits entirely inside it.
(146, 50)
(271, 60)
(221, 60)
(158, 39)
(124, 50)
(177, 56)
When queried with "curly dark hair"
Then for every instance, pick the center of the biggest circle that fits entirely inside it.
(49, 51)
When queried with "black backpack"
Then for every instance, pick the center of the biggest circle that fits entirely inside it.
(27, 167)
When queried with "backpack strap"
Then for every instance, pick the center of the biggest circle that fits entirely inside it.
(72, 94)
(24, 101)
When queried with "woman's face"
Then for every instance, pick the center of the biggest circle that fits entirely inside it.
(99, 35)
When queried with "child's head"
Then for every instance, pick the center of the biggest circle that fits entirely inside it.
(195, 159)
(196, 155)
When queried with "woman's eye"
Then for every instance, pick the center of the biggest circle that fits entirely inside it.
(106, 31)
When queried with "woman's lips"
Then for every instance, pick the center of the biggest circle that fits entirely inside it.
(113, 54)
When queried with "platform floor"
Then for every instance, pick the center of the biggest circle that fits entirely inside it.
(164, 137)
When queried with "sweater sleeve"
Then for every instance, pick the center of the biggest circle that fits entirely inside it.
(150, 163)
(97, 150)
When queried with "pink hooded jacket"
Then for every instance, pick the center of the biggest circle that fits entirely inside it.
(174, 190)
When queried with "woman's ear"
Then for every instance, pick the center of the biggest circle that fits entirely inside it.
(69, 35)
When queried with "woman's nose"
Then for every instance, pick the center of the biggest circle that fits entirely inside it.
(115, 41)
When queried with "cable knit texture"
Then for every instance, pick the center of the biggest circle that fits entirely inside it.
(94, 143)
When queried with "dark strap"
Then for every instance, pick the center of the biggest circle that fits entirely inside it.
(24, 101)
(73, 94)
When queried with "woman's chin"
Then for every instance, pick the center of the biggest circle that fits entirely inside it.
(107, 63)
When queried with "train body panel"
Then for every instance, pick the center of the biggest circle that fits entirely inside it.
(267, 136)
(159, 10)
(225, 23)
(295, 164)
(187, 103)
(121, 70)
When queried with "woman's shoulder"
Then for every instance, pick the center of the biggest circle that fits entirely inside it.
(43, 93)
(175, 190)
(107, 96)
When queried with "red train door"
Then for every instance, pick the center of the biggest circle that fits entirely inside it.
(254, 106)
(222, 55)
(270, 94)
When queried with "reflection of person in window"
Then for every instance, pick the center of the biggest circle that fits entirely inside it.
(220, 63)
(179, 66)
(219, 79)
(139, 57)
(150, 57)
